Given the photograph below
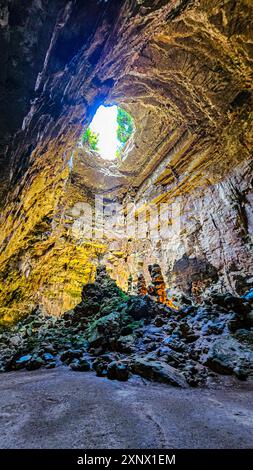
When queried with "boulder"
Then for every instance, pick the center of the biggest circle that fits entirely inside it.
(229, 302)
(80, 365)
(48, 357)
(100, 366)
(105, 331)
(227, 356)
(50, 365)
(160, 321)
(117, 371)
(143, 307)
(248, 295)
(245, 336)
(23, 359)
(70, 354)
(125, 344)
(35, 363)
(158, 371)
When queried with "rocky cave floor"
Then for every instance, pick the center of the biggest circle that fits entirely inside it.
(136, 342)
(117, 335)
(60, 409)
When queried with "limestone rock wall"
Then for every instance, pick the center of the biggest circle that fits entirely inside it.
(208, 243)
(39, 262)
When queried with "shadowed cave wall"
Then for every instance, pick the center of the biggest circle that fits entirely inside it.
(183, 69)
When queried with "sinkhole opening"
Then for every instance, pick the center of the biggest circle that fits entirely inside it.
(109, 132)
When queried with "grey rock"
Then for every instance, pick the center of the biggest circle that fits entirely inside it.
(159, 371)
(81, 365)
(118, 371)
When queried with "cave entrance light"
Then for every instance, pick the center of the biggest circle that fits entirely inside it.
(109, 132)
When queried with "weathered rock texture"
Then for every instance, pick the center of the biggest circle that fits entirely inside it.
(183, 69)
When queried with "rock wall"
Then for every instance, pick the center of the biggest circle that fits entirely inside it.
(39, 262)
(183, 69)
(208, 243)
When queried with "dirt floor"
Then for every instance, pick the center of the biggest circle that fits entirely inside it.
(64, 409)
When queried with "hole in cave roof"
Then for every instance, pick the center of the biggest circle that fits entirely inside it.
(109, 132)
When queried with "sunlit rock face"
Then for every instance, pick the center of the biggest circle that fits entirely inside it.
(182, 69)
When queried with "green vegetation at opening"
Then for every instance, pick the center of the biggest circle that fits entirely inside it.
(125, 129)
(91, 138)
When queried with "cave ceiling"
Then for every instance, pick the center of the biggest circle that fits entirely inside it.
(181, 68)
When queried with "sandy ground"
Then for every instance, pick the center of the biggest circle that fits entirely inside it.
(64, 409)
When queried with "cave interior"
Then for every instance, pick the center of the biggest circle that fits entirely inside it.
(158, 236)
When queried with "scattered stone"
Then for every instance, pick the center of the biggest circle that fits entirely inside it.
(24, 359)
(126, 330)
(248, 295)
(48, 357)
(81, 365)
(117, 371)
(125, 344)
(160, 321)
(50, 365)
(142, 307)
(240, 373)
(70, 354)
(123, 332)
(100, 367)
(159, 371)
(227, 356)
(34, 363)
